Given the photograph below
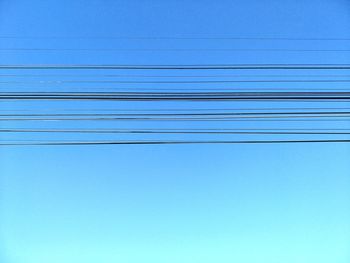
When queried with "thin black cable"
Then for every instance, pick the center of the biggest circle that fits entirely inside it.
(160, 131)
(181, 38)
(315, 99)
(174, 49)
(76, 143)
(171, 76)
(57, 87)
(208, 119)
(168, 96)
(178, 114)
(229, 129)
(177, 82)
(177, 110)
(137, 89)
(184, 67)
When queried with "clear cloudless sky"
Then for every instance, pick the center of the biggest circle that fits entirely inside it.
(173, 203)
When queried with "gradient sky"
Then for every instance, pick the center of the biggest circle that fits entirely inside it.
(179, 203)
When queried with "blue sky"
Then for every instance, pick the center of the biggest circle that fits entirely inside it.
(180, 203)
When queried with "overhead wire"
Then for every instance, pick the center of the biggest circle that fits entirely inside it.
(104, 75)
(179, 67)
(177, 82)
(173, 96)
(181, 38)
(180, 110)
(186, 131)
(182, 114)
(143, 142)
(172, 50)
(189, 95)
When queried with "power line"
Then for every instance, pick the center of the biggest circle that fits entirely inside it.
(133, 89)
(179, 114)
(161, 131)
(182, 38)
(185, 67)
(174, 49)
(176, 82)
(168, 96)
(180, 110)
(76, 143)
(169, 76)
(196, 119)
